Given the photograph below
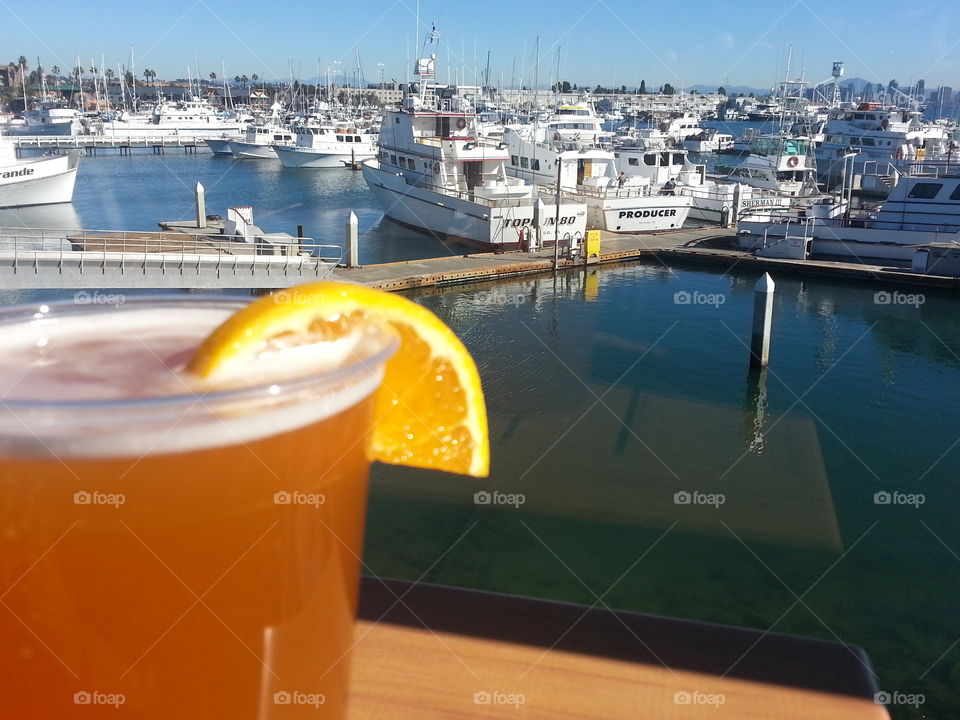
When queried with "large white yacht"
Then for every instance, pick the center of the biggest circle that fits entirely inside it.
(50, 117)
(880, 135)
(326, 146)
(577, 123)
(260, 139)
(35, 181)
(638, 203)
(195, 117)
(435, 174)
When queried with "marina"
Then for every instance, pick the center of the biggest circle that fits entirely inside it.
(641, 375)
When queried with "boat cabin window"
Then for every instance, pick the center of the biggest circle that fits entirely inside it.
(925, 191)
(633, 161)
(339, 138)
(524, 162)
(384, 155)
(665, 159)
(955, 195)
(393, 159)
(536, 164)
(678, 159)
(514, 161)
(650, 159)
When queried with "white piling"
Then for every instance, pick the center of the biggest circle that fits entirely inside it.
(353, 240)
(201, 208)
(762, 321)
(735, 211)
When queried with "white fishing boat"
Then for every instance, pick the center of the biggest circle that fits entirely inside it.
(919, 211)
(881, 136)
(778, 163)
(710, 140)
(35, 181)
(51, 117)
(635, 203)
(326, 146)
(578, 123)
(435, 174)
(195, 117)
(259, 141)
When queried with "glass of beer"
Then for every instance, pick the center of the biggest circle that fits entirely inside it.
(179, 553)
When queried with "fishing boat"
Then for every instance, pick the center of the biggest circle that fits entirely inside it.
(637, 203)
(919, 211)
(326, 146)
(259, 141)
(434, 173)
(194, 117)
(710, 140)
(35, 181)
(712, 199)
(49, 117)
(783, 164)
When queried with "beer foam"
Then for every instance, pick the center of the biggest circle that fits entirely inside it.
(66, 392)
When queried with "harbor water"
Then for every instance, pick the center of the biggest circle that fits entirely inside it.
(637, 463)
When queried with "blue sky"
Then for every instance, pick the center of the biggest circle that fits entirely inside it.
(610, 42)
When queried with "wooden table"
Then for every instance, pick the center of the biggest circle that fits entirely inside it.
(441, 652)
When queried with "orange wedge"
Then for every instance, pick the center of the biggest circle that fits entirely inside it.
(430, 411)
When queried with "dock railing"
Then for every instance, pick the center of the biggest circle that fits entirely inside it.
(45, 257)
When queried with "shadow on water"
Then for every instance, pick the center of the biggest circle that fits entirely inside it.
(642, 465)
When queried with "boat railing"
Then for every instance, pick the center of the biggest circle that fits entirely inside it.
(471, 196)
(865, 221)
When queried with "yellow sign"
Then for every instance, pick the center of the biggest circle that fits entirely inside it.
(593, 243)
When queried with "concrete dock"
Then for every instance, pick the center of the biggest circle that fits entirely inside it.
(711, 246)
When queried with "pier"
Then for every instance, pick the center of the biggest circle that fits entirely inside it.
(121, 143)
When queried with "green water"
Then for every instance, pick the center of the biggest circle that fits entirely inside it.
(860, 398)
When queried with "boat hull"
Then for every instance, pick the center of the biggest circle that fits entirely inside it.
(219, 146)
(66, 127)
(251, 151)
(300, 157)
(40, 181)
(639, 214)
(452, 217)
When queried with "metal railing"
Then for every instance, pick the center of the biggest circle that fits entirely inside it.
(280, 252)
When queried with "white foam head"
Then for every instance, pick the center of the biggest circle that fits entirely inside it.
(109, 382)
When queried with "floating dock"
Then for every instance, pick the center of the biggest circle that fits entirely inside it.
(697, 246)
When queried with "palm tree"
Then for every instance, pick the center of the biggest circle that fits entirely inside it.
(213, 76)
(236, 78)
(254, 77)
(108, 74)
(22, 62)
(149, 74)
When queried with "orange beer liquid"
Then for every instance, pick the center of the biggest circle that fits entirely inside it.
(185, 586)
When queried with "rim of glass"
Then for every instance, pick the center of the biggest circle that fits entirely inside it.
(339, 377)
